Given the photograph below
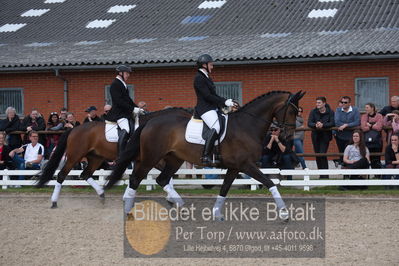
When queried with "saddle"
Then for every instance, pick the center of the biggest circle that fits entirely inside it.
(197, 131)
(112, 129)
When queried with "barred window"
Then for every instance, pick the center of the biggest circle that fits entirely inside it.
(108, 99)
(229, 90)
(11, 97)
(372, 90)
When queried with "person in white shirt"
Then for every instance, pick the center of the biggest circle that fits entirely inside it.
(33, 154)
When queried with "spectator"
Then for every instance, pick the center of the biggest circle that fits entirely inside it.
(35, 122)
(5, 160)
(390, 108)
(356, 154)
(346, 117)
(63, 115)
(322, 117)
(91, 115)
(53, 124)
(10, 124)
(392, 155)
(371, 124)
(277, 151)
(392, 120)
(33, 154)
(107, 108)
(299, 136)
(71, 121)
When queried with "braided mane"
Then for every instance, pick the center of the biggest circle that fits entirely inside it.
(261, 97)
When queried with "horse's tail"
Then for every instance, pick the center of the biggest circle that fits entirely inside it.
(48, 172)
(132, 150)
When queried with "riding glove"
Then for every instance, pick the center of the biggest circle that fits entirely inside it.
(138, 110)
(229, 102)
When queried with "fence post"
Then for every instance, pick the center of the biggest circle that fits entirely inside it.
(254, 187)
(306, 178)
(5, 178)
(101, 178)
(149, 187)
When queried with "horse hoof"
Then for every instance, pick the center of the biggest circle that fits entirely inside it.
(54, 205)
(284, 214)
(102, 198)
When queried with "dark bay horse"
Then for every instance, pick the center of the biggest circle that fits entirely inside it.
(164, 138)
(87, 140)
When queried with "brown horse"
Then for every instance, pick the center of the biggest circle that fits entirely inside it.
(163, 138)
(87, 140)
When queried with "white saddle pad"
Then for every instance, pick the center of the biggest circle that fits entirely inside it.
(111, 131)
(194, 131)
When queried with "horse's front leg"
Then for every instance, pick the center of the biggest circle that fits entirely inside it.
(228, 180)
(255, 173)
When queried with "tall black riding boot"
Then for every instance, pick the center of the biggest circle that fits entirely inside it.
(208, 148)
(123, 137)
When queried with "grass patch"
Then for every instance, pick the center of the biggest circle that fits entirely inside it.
(372, 190)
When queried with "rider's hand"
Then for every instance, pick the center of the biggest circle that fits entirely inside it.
(229, 102)
(136, 110)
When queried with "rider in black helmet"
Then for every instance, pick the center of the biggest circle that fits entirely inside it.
(122, 105)
(208, 102)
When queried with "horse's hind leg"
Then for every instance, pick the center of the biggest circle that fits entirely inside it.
(172, 165)
(228, 180)
(70, 162)
(93, 162)
(254, 172)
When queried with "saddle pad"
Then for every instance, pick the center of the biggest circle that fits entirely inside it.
(111, 131)
(194, 131)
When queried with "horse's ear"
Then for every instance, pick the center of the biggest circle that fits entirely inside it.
(301, 94)
(295, 98)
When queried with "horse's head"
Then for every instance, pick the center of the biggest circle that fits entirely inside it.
(286, 114)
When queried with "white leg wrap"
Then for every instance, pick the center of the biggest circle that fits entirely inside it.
(129, 202)
(130, 193)
(56, 192)
(217, 208)
(277, 197)
(173, 196)
(128, 198)
(95, 185)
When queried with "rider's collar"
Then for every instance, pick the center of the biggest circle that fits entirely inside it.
(123, 82)
(205, 72)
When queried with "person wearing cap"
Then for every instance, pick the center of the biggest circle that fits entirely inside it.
(208, 102)
(92, 115)
(277, 151)
(122, 105)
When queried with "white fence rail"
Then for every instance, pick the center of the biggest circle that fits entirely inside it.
(306, 182)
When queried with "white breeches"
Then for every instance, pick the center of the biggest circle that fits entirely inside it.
(211, 120)
(123, 123)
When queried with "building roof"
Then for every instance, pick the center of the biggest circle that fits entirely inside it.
(45, 33)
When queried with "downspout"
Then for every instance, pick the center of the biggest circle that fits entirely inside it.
(57, 74)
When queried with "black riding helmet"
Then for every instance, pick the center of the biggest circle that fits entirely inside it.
(204, 59)
(123, 68)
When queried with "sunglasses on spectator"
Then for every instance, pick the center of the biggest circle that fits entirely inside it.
(344, 102)
(54, 113)
(274, 129)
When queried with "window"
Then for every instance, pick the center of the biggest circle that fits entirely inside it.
(108, 95)
(229, 90)
(11, 97)
(373, 90)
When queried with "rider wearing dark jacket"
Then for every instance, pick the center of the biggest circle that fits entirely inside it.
(208, 102)
(122, 105)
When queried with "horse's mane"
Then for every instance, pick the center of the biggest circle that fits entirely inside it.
(261, 97)
(158, 112)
